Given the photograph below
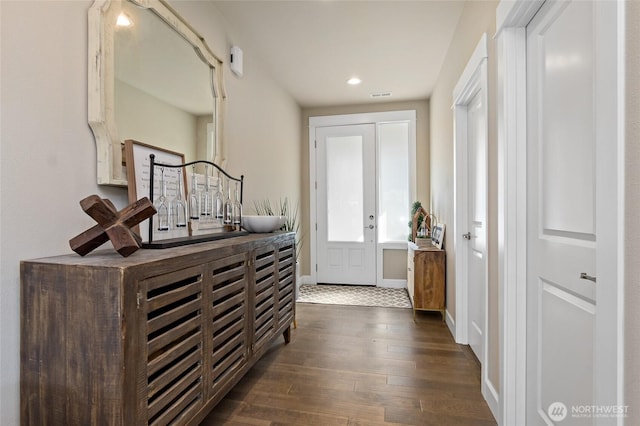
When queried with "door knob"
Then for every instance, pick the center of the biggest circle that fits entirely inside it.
(370, 227)
(467, 236)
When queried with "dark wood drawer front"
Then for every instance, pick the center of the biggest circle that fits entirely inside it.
(173, 331)
(286, 284)
(264, 302)
(228, 313)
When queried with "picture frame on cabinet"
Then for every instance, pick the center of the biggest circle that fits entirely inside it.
(137, 159)
(437, 236)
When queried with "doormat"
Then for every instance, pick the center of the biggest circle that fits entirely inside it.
(354, 295)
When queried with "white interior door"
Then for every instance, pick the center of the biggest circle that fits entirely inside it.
(346, 236)
(570, 123)
(470, 227)
(476, 221)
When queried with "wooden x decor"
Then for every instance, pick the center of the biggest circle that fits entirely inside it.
(112, 225)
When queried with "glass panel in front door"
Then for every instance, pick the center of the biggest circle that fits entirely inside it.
(345, 203)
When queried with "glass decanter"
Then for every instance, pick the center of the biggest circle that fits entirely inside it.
(194, 197)
(162, 205)
(237, 210)
(179, 206)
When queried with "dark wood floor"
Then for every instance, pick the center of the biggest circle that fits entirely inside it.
(349, 365)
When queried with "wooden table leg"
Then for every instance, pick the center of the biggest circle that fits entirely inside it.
(287, 335)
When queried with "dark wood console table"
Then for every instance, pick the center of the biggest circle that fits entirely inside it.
(156, 338)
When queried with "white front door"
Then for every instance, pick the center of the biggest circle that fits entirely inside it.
(571, 133)
(346, 236)
(476, 220)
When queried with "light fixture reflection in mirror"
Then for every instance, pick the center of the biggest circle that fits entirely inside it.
(123, 21)
(157, 84)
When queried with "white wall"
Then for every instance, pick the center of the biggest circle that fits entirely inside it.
(259, 140)
(256, 140)
(48, 155)
(477, 18)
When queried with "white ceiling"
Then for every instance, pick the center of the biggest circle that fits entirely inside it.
(313, 47)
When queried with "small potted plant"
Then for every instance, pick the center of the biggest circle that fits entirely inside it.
(291, 224)
(290, 213)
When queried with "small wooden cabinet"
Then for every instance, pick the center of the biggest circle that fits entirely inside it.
(426, 278)
(156, 338)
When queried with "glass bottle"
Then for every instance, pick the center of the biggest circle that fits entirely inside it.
(219, 202)
(162, 205)
(228, 207)
(206, 198)
(194, 199)
(179, 207)
(237, 210)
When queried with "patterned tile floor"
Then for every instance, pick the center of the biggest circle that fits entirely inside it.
(354, 295)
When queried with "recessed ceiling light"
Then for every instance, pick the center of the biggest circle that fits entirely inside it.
(354, 81)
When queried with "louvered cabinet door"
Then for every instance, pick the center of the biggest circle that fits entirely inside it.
(229, 345)
(286, 283)
(264, 318)
(171, 310)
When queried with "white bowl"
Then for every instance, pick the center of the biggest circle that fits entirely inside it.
(262, 224)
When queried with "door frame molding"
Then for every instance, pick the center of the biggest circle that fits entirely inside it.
(511, 39)
(512, 18)
(473, 79)
(346, 120)
(345, 273)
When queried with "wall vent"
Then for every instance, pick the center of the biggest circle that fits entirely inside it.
(381, 95)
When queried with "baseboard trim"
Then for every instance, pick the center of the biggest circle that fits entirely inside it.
(493, 399)
(393, 284)
(308, 280)
(451, 323)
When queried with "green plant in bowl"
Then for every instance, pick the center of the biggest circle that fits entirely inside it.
(288, 211)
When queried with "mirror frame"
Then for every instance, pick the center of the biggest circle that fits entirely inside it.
(109, 146)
